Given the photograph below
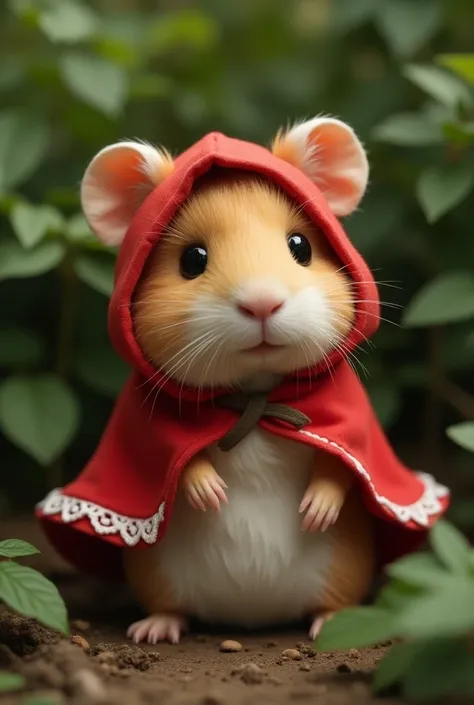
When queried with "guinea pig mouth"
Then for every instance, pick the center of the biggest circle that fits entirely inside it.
(263, 348)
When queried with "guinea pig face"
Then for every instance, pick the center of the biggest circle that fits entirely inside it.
(241, 285)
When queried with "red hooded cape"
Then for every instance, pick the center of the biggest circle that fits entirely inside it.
(125, 494)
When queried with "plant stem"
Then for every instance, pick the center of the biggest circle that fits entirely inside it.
(68, 281)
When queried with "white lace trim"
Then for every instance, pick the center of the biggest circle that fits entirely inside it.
(103, 521)
(420, 511)
(132, 530)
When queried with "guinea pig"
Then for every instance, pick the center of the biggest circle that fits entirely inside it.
(243, 476)
(241, 291)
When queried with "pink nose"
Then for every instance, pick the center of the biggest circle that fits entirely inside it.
(260, 308)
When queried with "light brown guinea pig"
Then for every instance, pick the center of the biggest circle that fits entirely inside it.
(241, 291)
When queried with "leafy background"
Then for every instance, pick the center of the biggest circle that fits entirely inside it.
(77, 75)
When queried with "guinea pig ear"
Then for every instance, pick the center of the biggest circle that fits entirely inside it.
(329, 152)
(116, 182)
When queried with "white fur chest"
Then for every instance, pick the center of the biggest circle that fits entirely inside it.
(251, 564)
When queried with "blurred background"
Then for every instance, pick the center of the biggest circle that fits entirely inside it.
(77, 75)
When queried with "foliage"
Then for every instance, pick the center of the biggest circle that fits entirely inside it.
(428, 603)
(77, 75)
(10, 682)
(28, 592)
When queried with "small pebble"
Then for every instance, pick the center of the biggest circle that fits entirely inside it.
(305, 667)
(79, 641)
(252, 674)
(354, 653)
(306, 649)
(292, 654)
(230, 646)
(343, 668)
(81, 624)
(271, 644)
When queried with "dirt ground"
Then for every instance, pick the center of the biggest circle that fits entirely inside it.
(98, 665)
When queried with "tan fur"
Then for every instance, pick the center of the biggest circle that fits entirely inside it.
(353, 565)
(148, 585)
(245, 215)
(286, 150)
(163, 170)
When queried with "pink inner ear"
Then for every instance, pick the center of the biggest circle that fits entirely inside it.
(119, 171)
(338, 164)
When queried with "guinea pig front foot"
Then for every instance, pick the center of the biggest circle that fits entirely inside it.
(158, 627)
(318, 623)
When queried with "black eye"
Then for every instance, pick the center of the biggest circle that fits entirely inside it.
(300, 248)
(193, 261)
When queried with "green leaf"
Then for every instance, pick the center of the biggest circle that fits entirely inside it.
(451, 547)
(31, 223)
(462, 434)
(31, 594)
(39, 414)
(14, 548)
(97, 82)
(16, 262)
(68, 21)
(408, 130)
(24, 142)
(461, 133)
(394, 665)
(448, 612)
(448, 298)
(408, 26)
(98, 273)
(438, 667)
(439, 190)
(418, 569)
(9, 682)
(460, 64)
(356, 627)
(102, 370)
(20, 347)
(439, 84)
(397, 595)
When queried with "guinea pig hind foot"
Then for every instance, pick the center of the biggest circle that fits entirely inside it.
(318, 623)
(158, 627)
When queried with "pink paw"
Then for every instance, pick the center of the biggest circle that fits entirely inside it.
(318, 623)
(158, 627)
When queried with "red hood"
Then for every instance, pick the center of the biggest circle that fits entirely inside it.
(161, 205)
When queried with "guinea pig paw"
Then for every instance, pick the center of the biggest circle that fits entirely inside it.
(318, 623)
(207, 491)
(321, 511)
(158, 627)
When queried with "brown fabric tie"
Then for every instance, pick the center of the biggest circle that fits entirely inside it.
(253, 408)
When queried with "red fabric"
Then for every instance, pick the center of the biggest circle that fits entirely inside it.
(149, 439)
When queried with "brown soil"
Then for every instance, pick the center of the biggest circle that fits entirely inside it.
(99, 666)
